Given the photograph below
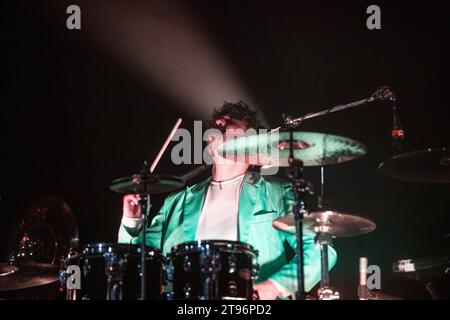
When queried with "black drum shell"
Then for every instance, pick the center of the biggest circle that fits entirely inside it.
(122, 261)
(213, 270)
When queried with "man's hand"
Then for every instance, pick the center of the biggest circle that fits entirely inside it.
(267, 290)
(131, 207)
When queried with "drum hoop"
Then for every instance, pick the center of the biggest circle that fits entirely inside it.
(100, 248)
(223, 245)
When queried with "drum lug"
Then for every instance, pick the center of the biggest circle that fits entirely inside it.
(232, 287)
(232, 263)
(187, 290)
(86, 268)
(63, 278)
(255, 272)
(187, 265)
(114, 272)
(168, 274)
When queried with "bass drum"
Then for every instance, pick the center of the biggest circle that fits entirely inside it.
(213, 270)
(111, 271)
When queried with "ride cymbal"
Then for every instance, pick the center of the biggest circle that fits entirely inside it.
(429, 166)
(313, 149)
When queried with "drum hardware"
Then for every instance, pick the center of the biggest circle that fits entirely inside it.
(213, 270)
(295, 150)
(432, 271)
(423, 268)
(384, 93)
(299, 189)
(23, 275)
(111, 271)
(325, 225)
(426, 166)
(322, 228)
(273, 148)
(338, 224)
(431, 165)
(114, 273)
(323, 240)
(325, 292)
(45, 232)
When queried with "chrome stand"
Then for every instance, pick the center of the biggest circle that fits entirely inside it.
(299, 187)
(145, 204)
(323, 240)
(325, 292)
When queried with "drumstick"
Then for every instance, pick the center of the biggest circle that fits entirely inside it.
(164, 147)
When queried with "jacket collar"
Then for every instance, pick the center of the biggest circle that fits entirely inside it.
(195, 198)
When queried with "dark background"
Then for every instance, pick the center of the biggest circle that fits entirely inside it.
(73, 118)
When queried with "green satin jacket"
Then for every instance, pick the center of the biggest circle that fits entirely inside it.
(261, 201)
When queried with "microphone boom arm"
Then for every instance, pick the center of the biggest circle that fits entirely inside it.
(382, 94)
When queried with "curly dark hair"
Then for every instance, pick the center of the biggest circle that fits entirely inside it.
(238, 111)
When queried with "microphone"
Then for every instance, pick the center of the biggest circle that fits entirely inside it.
(384, 93)
(397, 131)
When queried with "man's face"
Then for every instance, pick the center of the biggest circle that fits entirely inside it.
(230, 128)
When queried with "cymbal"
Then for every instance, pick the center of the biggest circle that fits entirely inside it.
(147, 183)
(314, 149)
(45, 232)
(430, 166)
(332, 222)
(26, 275)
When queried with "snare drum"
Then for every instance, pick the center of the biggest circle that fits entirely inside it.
(111, 271)
(213, 270)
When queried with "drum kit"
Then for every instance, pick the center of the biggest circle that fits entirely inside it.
(219, 269)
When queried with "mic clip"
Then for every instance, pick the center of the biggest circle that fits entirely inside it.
(383, 93)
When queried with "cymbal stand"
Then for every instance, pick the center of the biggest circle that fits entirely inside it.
(325, 292)
(323, 240)
(145, 204)
(299, 187)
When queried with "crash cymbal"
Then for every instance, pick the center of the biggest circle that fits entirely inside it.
(334, 223)
(314, 149)
(429, 166)
(149, 183)
(26, 275)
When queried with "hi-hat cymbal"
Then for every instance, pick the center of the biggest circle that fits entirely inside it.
(147, 183)
(334, 223)
(429, 166)
(314, 149)
(26, 275)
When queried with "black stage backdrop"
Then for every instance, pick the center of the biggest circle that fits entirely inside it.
(73, 116)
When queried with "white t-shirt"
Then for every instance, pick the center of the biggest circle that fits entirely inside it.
(219, 216)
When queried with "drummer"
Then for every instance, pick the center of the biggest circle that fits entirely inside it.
(233, 204)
